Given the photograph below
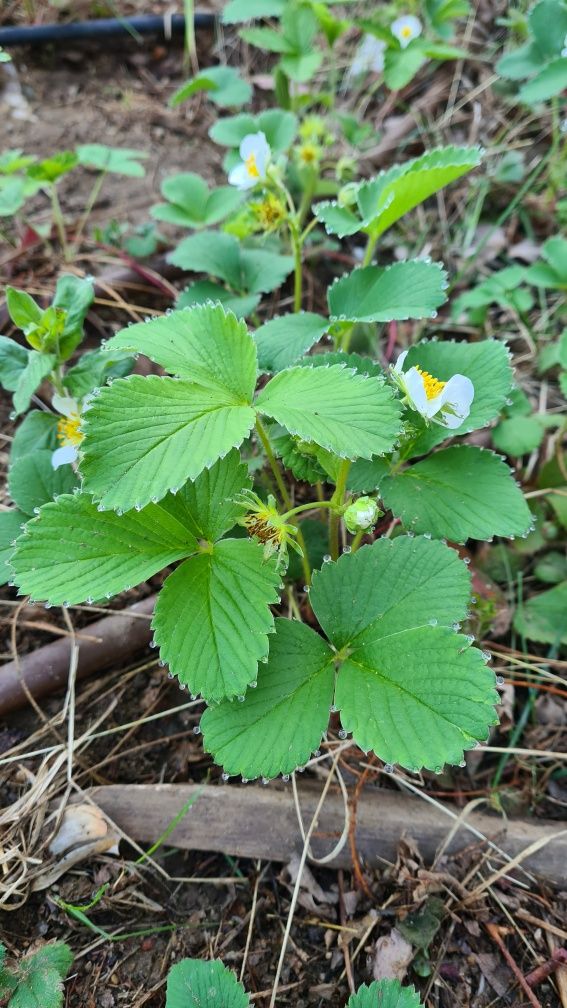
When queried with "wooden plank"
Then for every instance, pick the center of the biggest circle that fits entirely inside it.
(261, 822)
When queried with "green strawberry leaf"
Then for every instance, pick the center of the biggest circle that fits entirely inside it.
(72, 553)
(283, 340)
(212, 618)
(335, 407)
(458, 493)
(412, 289)
(32, 481)
(192, 982)
(280, 723)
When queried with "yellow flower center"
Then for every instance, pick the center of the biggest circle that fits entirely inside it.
(308, 153)
(260, 527)
(270, 212)
(68, 432)
(432, 385)
(406, 31)
(251, 166)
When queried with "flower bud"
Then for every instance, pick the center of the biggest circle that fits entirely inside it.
(361, 514)
(347, 195)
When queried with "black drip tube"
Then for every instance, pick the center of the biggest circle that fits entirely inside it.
(146, 24)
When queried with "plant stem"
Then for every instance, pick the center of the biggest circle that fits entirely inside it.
(313, 506)
(190, 42)
(88, 209)
(59, 222)
(274, 465)
(297, 266)
(357, 540)
(336, 502)
(369, 251)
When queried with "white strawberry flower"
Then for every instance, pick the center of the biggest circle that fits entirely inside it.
(255, 153)
(445, 403)
(406, 29)
(68, 433)
(368, 57)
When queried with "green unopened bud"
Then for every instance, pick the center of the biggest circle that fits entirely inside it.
(345, 169)
(347, 195)
(361, 514)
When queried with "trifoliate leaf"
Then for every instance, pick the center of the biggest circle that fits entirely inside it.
(542, 617)
(458, 493)
(190, 202)
(401, 65)
(384, 994)
(246, 270)
(340, 410)
(383, 200)
(412, 289)
(145, 436)
(278, 126)
(212, 618)
(410, 689)
(284, 339)
(205, 344)
(192, 983)
(224, 85)
(117, 160)
(32, 481)
(280, 723)
(388, 587)
(72, 552)
(36, 981)
(204, 291)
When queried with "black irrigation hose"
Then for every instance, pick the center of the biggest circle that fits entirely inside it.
(146, 24)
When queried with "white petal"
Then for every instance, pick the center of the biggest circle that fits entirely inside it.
(64, 456)
(458, 394)
(406, 29)
(398, 366)
(415, 390)
(238, 176)
(256, 144)
(65, 405)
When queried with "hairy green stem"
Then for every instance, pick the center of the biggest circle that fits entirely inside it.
(59, 222)
(274, 465)
(313, 506)
(336, 502)
(94, 194)
(297, 266)
(357, 540)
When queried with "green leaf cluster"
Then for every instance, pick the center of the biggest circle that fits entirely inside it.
(539, 61)
(407, 685)
(375, 205)
(35, 980)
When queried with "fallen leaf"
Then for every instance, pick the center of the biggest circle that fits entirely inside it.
(392, 956)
